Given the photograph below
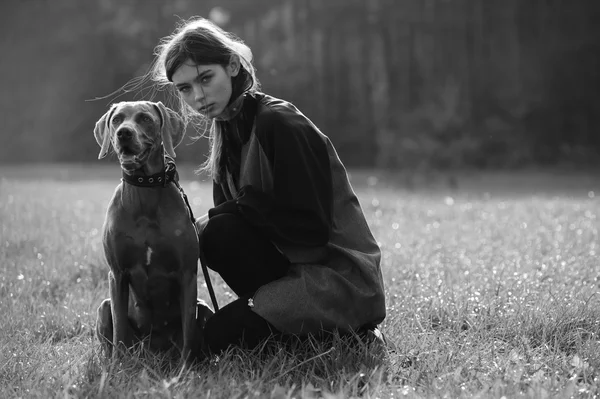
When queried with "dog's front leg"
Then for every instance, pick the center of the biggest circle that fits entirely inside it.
(189, 292)
(118, 286)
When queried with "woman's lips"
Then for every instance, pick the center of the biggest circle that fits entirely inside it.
(205, 109)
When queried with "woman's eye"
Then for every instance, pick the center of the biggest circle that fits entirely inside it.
(184, 90)
(206, 79)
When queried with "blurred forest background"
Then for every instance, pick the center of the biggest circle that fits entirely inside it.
(394, 83)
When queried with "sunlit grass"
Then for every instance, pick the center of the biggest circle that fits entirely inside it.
(490, 293)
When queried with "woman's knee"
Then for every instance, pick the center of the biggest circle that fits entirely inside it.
(221, 236)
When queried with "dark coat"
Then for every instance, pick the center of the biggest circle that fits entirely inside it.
(292, 185)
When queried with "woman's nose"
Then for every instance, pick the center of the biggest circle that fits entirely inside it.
(199, 95)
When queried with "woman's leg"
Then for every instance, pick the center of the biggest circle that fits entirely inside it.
(242, 255)
(246, 260)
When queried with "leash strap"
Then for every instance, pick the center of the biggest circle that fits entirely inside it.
(211, 291)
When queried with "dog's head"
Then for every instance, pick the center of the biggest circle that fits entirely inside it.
(136, 128)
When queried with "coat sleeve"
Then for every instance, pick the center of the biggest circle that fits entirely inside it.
(298, 211)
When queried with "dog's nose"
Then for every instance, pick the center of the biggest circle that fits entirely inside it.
(124, 134)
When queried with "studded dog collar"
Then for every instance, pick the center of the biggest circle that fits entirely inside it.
(167, 175)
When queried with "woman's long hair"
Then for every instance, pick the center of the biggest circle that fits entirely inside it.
(202, 42)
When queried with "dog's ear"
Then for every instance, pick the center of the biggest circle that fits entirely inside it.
(102, 132)
(171, 128)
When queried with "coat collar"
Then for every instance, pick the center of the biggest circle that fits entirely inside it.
(232, 110)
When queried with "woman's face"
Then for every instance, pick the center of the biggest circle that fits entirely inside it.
(205, 88)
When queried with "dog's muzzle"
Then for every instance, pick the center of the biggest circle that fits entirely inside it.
(129, 151)
(124, 135)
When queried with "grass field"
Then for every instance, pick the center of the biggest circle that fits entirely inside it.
(491, 280)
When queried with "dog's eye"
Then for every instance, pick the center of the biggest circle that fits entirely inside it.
(146, 118)
(117, 119)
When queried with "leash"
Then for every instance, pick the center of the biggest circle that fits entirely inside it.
(170, 175)
(211, 291)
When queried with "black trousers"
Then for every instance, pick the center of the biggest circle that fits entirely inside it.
(246, 260)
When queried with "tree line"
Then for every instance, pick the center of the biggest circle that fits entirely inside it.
(395, 84)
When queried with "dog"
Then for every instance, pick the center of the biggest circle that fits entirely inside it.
(150, 243)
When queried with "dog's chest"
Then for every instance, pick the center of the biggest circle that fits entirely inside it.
(149, 233)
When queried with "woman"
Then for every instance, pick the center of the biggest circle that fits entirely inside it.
(287, 232)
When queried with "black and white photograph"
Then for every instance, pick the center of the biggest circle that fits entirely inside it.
(290, 199)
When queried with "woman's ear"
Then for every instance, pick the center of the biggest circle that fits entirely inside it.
(234, 65)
